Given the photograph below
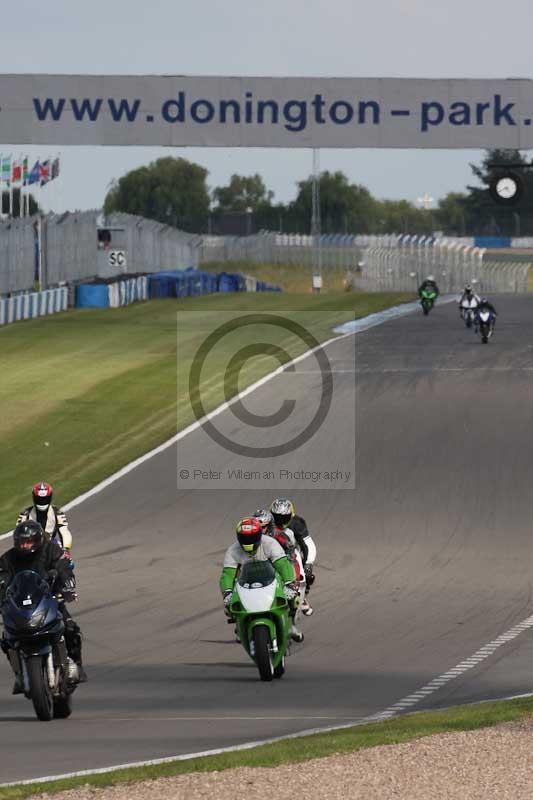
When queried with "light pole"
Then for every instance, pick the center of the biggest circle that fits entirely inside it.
(249, 212)
(316, 224)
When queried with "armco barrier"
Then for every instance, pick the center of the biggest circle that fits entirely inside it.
(32, 305)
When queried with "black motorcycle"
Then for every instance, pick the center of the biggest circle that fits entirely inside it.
(34, 642)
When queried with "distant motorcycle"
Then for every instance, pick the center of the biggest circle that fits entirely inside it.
(468, 312)
(485, 325)
(35, 645)
(427, 300)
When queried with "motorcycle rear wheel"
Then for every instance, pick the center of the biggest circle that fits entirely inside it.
(263, 654)
(40, 693)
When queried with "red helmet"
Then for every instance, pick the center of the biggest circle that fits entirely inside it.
(249, 534)
(42, 496)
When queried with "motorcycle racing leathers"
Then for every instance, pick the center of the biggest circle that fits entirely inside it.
(49, 557)
(53, 522)
(268, 550)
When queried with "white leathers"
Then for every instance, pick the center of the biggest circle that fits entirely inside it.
(56, 521)
(268, 550)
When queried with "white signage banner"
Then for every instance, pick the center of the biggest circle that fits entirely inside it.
(179, 111)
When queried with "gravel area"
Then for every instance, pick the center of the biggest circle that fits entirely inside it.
(492, 763)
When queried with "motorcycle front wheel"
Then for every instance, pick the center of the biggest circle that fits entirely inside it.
(263, 655)
(63, 707)
(40, 693)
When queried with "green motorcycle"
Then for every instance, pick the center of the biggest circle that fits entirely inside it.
(261, 611)
(427, 300)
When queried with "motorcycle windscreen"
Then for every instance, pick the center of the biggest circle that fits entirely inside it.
(27, 589)
(256, 586)
(259, 598)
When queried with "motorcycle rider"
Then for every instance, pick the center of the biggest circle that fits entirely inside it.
(32, 551)
(251, 545)
(428, 284)
(468, 299)
(286, 538)
(284, 515)
(51, 518)
(485, 305)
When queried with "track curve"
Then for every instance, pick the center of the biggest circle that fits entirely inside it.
(428, 559)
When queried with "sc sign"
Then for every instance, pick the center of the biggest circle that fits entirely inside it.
(117, 258)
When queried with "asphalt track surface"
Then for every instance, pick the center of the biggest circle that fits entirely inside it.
(424, 562)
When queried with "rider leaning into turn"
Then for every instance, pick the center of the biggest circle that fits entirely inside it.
(428, 283)
(32, 551)
(51, 518)
(251, 545)
(284, 516)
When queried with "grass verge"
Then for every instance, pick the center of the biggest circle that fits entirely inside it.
(294, 278)
(349, 740)
(85, 392)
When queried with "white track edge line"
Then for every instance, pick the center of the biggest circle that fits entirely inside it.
(373, 320)
(397, 709)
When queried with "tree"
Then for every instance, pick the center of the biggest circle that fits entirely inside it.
(484, 215)
(170, 190)
(242, 192)
(452, 214)
(344, 207)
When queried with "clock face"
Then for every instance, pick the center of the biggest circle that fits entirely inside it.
(506, 188)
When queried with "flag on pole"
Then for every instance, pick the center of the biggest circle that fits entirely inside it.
(16, 172)
(34, 173)
(55, 168)
(44, 172)
(25, 170)
(6, 169)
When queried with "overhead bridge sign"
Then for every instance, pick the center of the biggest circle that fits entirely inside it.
(178, 111)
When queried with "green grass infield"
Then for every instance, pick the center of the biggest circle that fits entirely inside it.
(85, 392)
(348, 740)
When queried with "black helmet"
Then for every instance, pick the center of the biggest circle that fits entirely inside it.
(28, 538)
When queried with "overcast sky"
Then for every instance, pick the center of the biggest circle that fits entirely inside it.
(376, 38)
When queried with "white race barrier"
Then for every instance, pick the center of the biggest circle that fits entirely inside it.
(123, 293)
(32, 305)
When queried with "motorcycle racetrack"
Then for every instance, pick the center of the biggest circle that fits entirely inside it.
(419, 566)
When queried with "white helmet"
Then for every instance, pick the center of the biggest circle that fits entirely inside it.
(430, 278)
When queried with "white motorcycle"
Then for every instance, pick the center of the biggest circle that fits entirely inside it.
(468, 311)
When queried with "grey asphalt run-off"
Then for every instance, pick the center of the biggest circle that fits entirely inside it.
(425, 561)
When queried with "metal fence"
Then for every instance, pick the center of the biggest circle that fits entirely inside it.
(71, 250)
(377, 263)
(403, 267)
(17, 255)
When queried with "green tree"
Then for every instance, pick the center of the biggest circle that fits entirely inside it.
(484, 214)
(344, 207)
(401, 216)
(241, 193)
(170, 190)
(452, 216)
